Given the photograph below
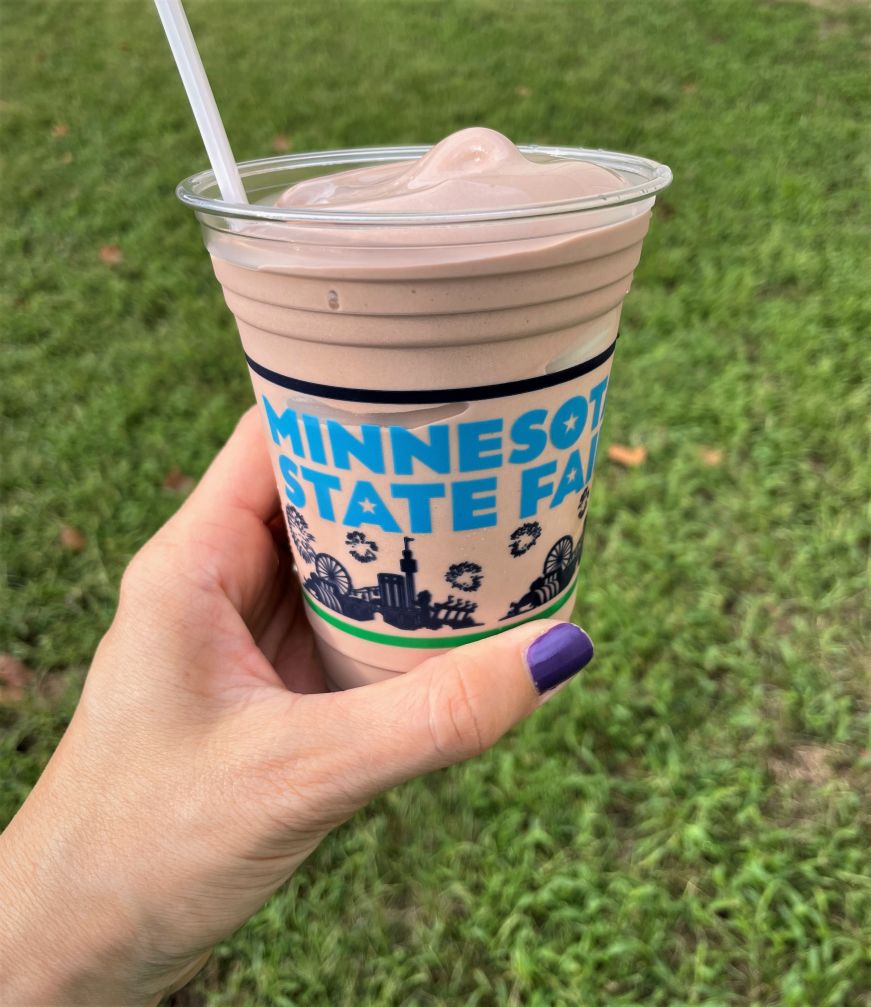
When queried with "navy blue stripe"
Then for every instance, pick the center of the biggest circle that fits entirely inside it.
(428, 396)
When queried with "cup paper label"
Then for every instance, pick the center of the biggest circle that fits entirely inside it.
(435, 534)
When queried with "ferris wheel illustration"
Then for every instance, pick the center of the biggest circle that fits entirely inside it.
(331, 571)
(560, 557)
(331, 582)
(556, 575)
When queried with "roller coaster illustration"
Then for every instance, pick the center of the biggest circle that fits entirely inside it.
(557, 573)
(395, 598)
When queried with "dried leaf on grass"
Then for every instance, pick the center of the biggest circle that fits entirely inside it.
(628, 457)
(281, 144)
(111, 255)
(15, 677)
(712, 457)
(53, 686)
(177, 481)
(72, 539)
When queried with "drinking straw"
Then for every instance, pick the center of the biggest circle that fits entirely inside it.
(196, 84)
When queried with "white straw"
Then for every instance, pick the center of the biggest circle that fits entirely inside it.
(196, 83)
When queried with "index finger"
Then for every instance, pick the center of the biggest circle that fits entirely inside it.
(240, 477)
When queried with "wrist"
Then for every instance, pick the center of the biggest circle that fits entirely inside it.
(63, 937)
(66, 935)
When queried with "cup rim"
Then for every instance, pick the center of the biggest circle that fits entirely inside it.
(192, 190)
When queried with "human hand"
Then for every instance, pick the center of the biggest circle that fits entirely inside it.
(206, 759)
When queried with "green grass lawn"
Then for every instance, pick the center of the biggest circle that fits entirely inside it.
(690, 823)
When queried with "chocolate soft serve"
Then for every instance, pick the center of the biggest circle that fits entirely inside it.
(474, 169)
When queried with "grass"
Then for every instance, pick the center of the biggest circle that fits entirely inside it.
(688, 825)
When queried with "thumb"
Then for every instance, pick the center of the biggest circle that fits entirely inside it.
(454, 706)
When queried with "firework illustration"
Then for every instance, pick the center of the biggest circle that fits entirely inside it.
(583, 502)
(524, 538)
(465, 576)
(299, 532)
(363, 549)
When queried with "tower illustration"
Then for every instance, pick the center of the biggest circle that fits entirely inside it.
(408, 565)
(394, 598)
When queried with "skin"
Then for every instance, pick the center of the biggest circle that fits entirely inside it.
(206, 760)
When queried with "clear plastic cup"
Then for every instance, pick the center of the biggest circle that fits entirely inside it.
(432, 388)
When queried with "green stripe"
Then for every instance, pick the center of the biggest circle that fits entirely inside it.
(431, 642)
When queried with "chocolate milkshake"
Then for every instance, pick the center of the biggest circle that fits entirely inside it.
(430, 337)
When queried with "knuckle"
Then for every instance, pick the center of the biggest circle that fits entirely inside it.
(147, 575)
(135, 579)
(455, 724)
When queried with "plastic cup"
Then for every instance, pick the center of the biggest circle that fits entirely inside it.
(432, 388)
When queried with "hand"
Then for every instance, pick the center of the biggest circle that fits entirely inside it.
(206, 759)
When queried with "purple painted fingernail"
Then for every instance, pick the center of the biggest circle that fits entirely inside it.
(557, 655)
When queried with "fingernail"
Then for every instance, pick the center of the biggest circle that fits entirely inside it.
(557, 655)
